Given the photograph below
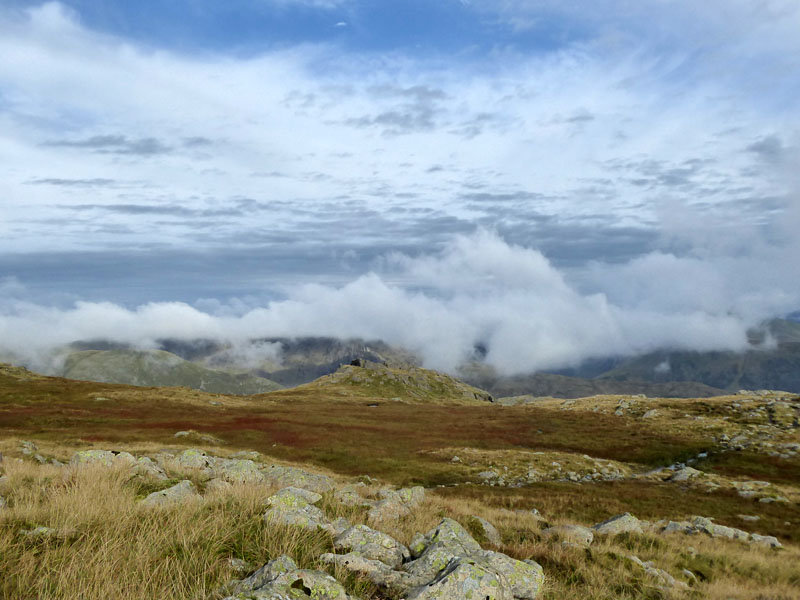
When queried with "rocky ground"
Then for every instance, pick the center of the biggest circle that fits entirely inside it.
(354, 487)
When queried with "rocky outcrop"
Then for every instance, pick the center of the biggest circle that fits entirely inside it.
(445, 563)
(373, 545)
(396, 503)
(291, 506)
(179, 492)
(292, 476)
(624, 523)
(280, 579)
(706, 525)
(486, 530)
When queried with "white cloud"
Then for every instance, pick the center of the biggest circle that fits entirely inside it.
(477, 290)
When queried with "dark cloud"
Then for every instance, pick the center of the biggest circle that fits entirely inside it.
(651, 173)
(154, 209)
(475, 126)
(769, 148)
(196, 142)
(96, 182)
(415, 110)
(516, 196)
(116, 144)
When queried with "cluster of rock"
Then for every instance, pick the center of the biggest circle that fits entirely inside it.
(706, 525)
(445, 563)
(391, 504)
(525, 468)
(578, 535)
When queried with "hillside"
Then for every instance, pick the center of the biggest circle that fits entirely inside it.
(711, 485)
(158, 368)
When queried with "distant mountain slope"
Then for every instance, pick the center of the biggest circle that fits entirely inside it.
(560, 386)
(158, 368)
(777, 369)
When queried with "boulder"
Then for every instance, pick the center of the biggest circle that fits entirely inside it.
(624, 523)
(487, 530)
(193, 458)
(572, 534)
(448, 563)
(237, 471)
(685, 474)
(249, 454)
(765, 540)
(280, 579)
(217, 485)
(292, 476)
(377, 572)
(705, 525)
(396, 504)
(291, 491)
(350, 495)
(148, 468)
(179, 492)
(290, 507)
(372, 544)
(463, 578)
(660, 574)
(103, 458)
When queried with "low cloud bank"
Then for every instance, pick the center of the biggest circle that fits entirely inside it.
(478, 290)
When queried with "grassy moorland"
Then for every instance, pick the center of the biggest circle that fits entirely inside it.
(395, 435)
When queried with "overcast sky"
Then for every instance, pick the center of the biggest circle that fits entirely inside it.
(560, 179)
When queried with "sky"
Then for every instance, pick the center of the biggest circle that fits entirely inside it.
(555, 181)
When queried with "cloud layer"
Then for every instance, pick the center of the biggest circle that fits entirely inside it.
(478, 290)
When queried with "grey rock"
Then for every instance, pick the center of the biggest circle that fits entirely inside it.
(247, 454)
(238, 471)
(290, 507)
(217, 485)
(463, 579)
(489, 531)
(396, 504)
(574, 534)
(340, 525)
(765, 540)
(280, 579)
(375, 571)
(39, 532)
(179, 492)
(104, 458)
(350, 495)
(292, 476)
(193, 458)
(147, 467)
(705, 525)
(685, 474)
(372, 544)
(624, 523)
